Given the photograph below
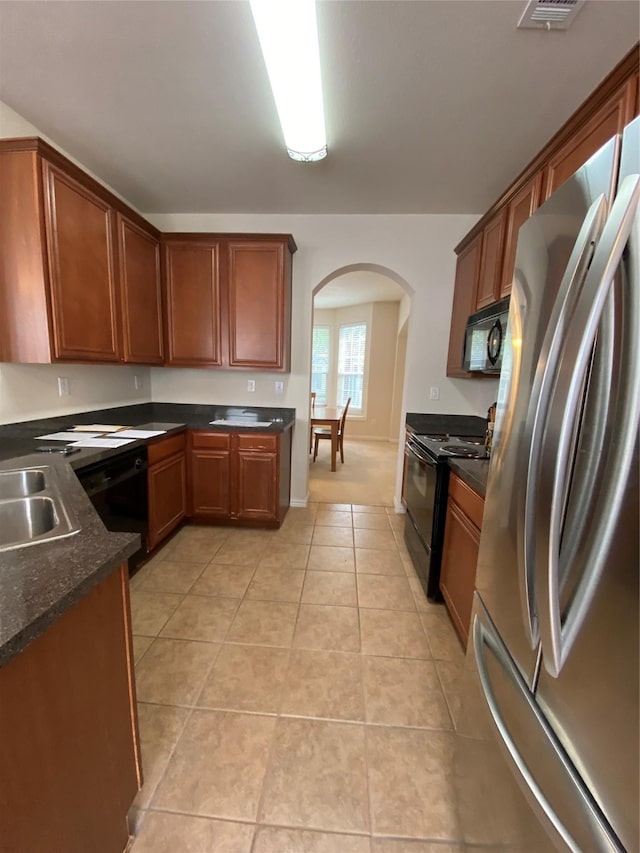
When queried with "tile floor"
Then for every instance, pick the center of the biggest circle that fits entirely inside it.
(297, 693)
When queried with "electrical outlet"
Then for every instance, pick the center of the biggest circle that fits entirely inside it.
(434, 394)
(279, 386)
(64, 386)
(251, 384)
(137, 381)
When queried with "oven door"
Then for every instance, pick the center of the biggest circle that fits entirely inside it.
(420, 489)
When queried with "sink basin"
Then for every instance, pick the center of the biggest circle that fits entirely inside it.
(20, 484)
(240, 422)
(32, 509)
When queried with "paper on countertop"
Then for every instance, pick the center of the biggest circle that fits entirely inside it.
(97, 428)
(65, 436)
(139, 433)
(102, 442)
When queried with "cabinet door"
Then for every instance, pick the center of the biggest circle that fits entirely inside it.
(258, 304)
(520, 208)
(80, 251)
(210, 483)
(610, 119)
(464, 300)
(193, 304)
(256, 486)
(139, 255)
(167, 497)
(491, 261)
(458, 570)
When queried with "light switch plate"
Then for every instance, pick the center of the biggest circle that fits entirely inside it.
(63, 386)
(434, 394)
(279, 386)
(251, 384)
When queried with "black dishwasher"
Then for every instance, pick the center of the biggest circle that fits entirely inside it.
(117, 487)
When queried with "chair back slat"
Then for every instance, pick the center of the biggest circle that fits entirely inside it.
(344, 414)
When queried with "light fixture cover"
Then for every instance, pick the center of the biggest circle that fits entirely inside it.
(288, 37)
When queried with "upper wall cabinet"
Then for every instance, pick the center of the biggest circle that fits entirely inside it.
(464, 301)
(228, 300)
(491, 262)
(79, 272)
(519, 209)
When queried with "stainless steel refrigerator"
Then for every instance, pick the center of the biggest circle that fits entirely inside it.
(547, 748)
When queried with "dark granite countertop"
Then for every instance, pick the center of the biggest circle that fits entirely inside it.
(429, 424)
(473, 471)
(40, 582)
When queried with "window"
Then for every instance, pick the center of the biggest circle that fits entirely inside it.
(351, 354)
(320, 363)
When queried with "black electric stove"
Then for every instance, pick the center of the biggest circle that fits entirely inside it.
(425, 490)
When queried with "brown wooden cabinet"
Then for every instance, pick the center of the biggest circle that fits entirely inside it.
(489, 277)
(167, 479)
(519, 209)
(240, 478)
(69, 754)
(140, 293)
(460, 552)
(228, 300)
(464, 300)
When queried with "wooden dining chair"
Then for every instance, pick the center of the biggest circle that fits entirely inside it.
(313, 408)
(321, 432)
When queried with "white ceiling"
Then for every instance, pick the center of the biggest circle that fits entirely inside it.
(431, 107)
(354, 288)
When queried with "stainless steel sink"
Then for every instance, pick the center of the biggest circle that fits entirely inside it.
(32, 509)
(20, 484)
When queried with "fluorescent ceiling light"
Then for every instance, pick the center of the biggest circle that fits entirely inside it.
(289, 40)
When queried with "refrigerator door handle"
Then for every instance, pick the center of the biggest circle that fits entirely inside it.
(565, 395)
(574, 275)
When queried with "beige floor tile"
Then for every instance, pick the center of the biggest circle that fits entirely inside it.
(194, 550)
(271, 584)
(274, 839)
(218, 766)
(324, 684)
(169, 833)
(333, 518)
(378, 562)
(330, 588)
(201, 617)
(150, 611)
(301, 515)
(285, 555)
(419, 595)
(140, 646)
(233, 553)
(333, 507)
(327, 558)
(411, 783)
(369, 521)
(441, 635)
(264, 623)
(246, 678)
(384, 592)
(323, 626)
(172, 671)
(365, 508)
(171, 576)
(391, 845)
(200, 533)
(160, 727)
(225, 581)
(317, 777)
(392, 633)
(342, 537)
(450, 674)
(297, 533)
(402, 692)
(381, 540)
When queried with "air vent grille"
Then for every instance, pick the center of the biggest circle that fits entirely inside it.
(549, 14)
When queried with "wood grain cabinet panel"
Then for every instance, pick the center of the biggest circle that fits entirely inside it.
(460, 553)
(491, 262)
(69, 750)
(192, 282)
(210, 478)
(464, 300)
(140, 294)
(167, 497)
(519, 209)
(83, 287)
(257, 485)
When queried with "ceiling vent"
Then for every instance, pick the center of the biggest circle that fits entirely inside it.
(549, 14)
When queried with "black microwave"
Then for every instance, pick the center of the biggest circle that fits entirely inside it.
(484, 338)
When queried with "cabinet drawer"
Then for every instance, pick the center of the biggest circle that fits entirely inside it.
(217, 440)
(469, 501)
(166, 447)
(257, 442)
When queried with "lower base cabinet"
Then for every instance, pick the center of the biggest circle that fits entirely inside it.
(240, 478)
(167, 481)
(69, 754)
(460, 552)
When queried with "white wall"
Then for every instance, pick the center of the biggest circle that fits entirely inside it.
(417, 250)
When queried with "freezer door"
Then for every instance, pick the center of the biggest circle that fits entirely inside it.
(516, 747)
(555, 247)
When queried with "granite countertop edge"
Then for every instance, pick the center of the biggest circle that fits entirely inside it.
(474, 472)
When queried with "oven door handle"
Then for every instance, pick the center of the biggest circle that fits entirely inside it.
(410, 447)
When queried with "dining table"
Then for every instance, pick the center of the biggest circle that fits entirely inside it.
(328, 416)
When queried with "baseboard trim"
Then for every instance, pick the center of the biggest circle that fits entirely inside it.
(399, 508)
(300, 503)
